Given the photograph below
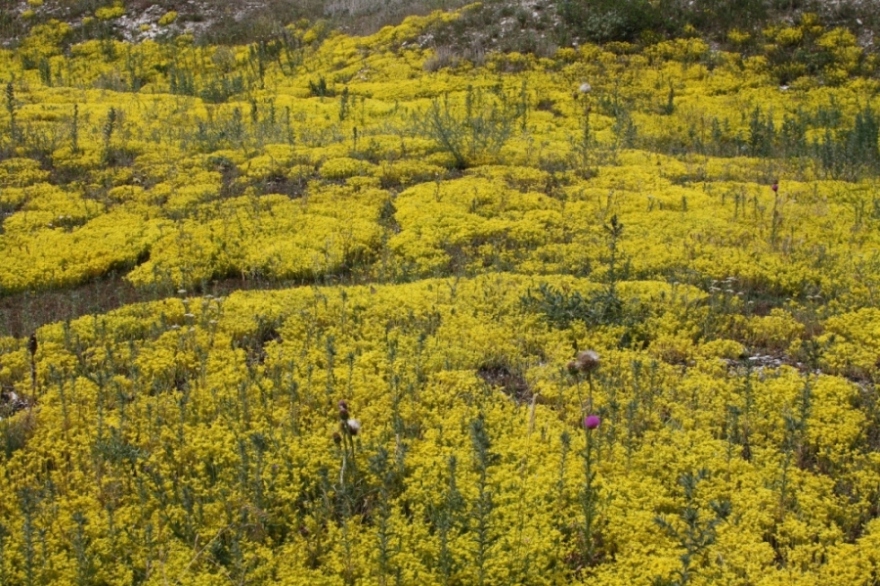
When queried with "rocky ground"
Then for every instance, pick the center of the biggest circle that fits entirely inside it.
(505, 25)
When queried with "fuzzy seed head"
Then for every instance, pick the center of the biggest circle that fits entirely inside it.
(587, 361)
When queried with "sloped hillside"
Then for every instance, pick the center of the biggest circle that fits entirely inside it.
(370, 313)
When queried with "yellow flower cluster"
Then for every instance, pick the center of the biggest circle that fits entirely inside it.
(712, 236)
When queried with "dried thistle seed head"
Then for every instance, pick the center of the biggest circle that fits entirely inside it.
(353, 426)
(587, 361)
(32, 344)
(343, 409)
(337, 439)
(585, 88)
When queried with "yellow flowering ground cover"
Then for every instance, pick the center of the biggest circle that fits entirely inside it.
(607, 317)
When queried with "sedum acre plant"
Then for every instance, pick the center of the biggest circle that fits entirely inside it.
(607, 316)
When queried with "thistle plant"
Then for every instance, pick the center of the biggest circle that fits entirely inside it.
(344, 108)
(446, 516)
(585, 365)
(12, 111)
(694, 530)
(474, 132)
(482, 512)
(107, 133)
(349, 427)
(381, 467)
(669, 107)
(74, 130)
(32, 351)
(794, 447)
(585, 142)
(29, 499)
(600, 308)
(614, 233)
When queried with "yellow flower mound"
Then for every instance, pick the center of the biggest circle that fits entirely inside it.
(405, 406)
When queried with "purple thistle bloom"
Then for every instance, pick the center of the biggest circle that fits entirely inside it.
(592, 421)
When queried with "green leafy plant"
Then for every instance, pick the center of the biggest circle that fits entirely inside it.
(473, 132)
(694, 529)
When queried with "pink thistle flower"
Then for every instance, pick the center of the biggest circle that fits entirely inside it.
(592, 421)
